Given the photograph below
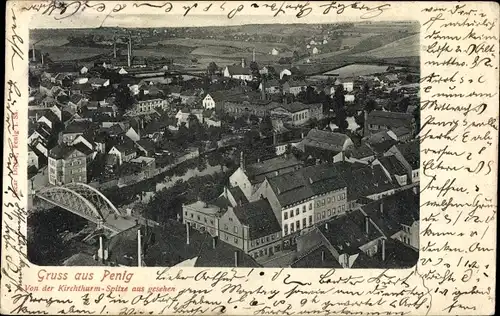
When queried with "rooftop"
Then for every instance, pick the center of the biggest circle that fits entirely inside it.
(389, 213)
(392, 165)
(326, 140)
(270, 167)
(391, 119)
(348, 232)
(259, 217)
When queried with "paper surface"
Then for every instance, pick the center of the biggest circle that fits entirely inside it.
(455, 273)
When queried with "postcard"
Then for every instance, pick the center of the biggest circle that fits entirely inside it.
(250, 158)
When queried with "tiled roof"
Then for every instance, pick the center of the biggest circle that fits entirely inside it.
(319, 257)
(389, 213)
(238, 70)
(360, 152)
(391, 119)
(259, 217)
(295, 107)
(238, 195)
(305, 183)
(81, 147)
(78, 127)
(257, 171)
(326, 140)
(348, 232)
(61, 151)
(393, 165)
(126, 147)
(411, 153)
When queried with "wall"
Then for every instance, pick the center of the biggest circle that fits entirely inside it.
(330, 205)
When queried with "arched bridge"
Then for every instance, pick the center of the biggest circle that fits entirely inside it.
(87, 202)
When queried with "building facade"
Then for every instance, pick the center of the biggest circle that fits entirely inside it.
(67, 165)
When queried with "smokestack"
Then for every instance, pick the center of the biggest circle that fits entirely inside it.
(33, 52)
(253, 55)
(214, 242)
(275, 138)
(242, 161)
(139, 250)
(382, 208)
(322, 256)
(243, 62)
(235, 259)
(42, 57)
(114, 46)
(326, 226)
(129, 53)
(367, 225)
(101, 249)
(187, 233)
(383, 249)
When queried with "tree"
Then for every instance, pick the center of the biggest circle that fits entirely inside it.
(370, 105)
(212, 68)
(124, 99)
(266, 126)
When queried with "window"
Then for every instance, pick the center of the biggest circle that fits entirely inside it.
(227, 238)
(304, 223)
(267, 238)
(205, 219)
(297, 211)
(317, 203)
(211, 222)
(186, 213)
(323, 215)
(334, 210)
(191, 215)
(297, 224)
(265, 251)
(251, 243)
(310, 206)
(303, 209)
(285, 215)
(236, 229)
(292, 228)
(317, 217)
(310, 220)
(285, 229)
(329, 212)
(257, 242)
(230, 219)
(323, 202)
(329, 200)
(235, 240)
(225, 226)
(343, 207)
(291, 213)
(198, 217)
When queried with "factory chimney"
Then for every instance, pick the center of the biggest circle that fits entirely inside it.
(253, 55)
(242, 161)
(33, 52)
(101, 249)
(129, 54)
(114, 46)
(187, 233)
(365, 125)
(41, 54)
(139, 248)
(243, 63)
(367, 225)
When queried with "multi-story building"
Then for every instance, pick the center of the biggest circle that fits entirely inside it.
(378, 121)
(248, 178)
(252, 227)
(66, 165)
(145, 106)
(203, 216)
(294, 197)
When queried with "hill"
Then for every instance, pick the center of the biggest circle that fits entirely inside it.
(405, 47)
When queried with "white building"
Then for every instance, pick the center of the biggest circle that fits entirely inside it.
(274, 52)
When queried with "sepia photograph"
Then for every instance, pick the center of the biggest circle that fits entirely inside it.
(252, 145)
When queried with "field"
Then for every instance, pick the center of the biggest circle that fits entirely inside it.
(406, 47)
(370, 42)
(63, 53)
(357, 70)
